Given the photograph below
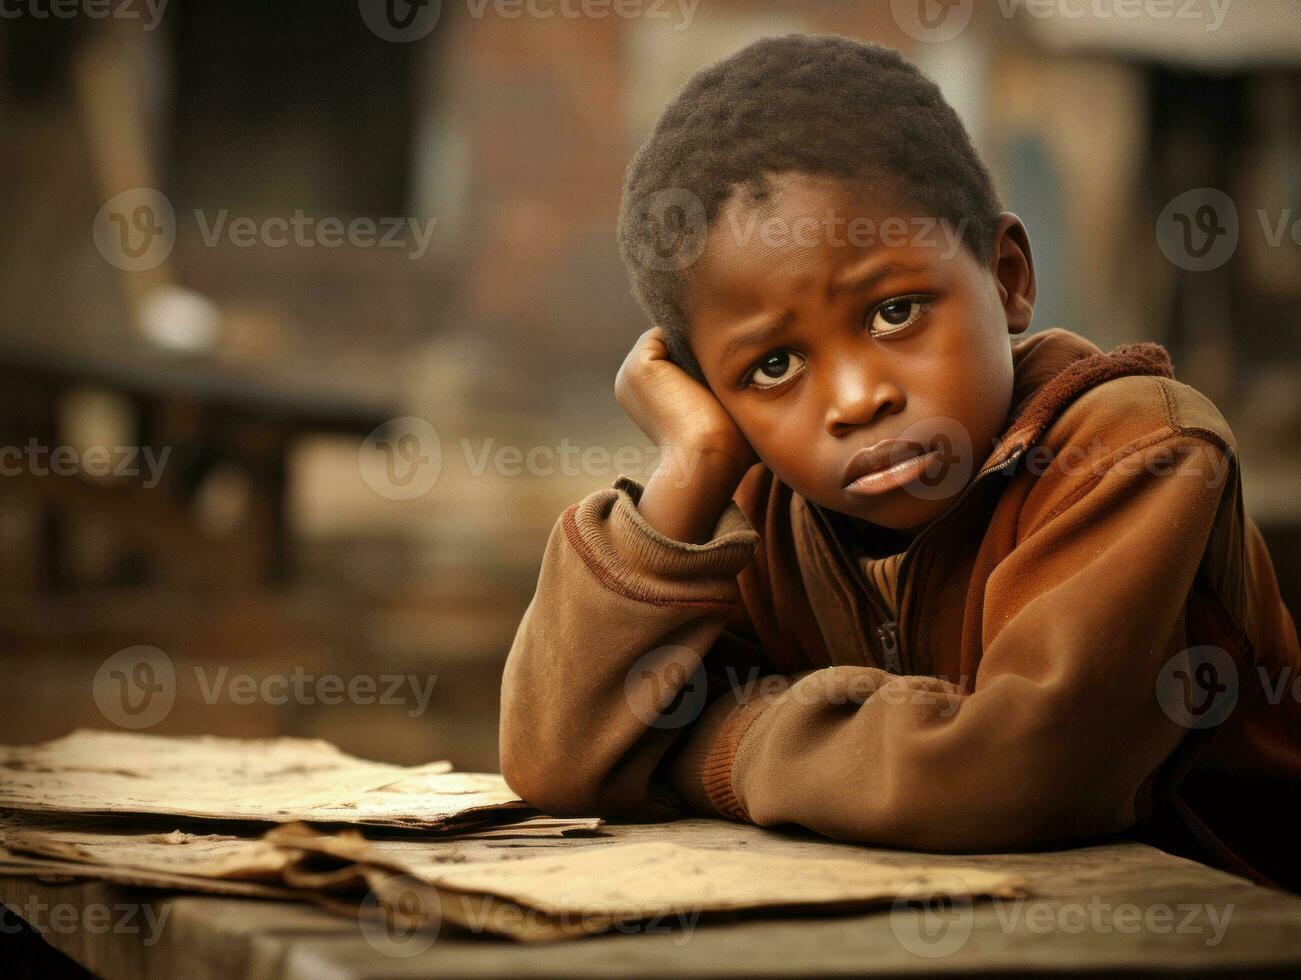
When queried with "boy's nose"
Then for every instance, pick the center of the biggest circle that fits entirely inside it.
(859, 396)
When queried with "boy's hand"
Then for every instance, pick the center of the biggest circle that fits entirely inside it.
(703, 454)
(675, 410)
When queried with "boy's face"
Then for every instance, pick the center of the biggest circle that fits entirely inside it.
(824, 333)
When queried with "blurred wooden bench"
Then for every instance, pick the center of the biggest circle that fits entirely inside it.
(195, 421)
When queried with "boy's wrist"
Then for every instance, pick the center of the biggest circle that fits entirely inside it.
(711, 462)
(689, 490)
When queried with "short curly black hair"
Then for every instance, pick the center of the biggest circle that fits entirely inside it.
(817, 104)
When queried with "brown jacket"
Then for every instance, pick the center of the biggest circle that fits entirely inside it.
(1089, 640)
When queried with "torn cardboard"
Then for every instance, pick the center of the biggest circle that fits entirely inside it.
(277, 780)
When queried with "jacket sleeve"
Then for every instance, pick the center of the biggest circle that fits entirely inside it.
(1064, 721)
(627, 638)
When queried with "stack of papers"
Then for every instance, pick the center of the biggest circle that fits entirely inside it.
(423, 847)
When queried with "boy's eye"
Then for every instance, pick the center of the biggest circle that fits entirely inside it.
(895, 314)
(776, 368)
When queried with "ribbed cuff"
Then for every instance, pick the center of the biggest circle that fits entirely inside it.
(634, 559)
(702, 771)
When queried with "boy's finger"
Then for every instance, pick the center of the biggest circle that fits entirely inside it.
(653, 342)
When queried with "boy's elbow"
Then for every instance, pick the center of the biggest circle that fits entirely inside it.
(537, 773)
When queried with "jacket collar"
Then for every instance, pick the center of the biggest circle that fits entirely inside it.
(1054, 367)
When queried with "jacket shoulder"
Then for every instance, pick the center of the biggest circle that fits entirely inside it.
(1141, 417)
(1128, 413)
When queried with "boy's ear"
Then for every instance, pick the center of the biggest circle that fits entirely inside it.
(1013, 269)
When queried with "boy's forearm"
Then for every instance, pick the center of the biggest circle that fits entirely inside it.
(620, 621)
(688, 491)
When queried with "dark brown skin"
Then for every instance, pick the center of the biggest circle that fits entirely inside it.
(884, 335)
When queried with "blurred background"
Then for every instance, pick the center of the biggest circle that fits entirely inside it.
(310, 312)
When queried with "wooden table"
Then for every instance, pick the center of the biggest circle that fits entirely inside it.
(1118, 907)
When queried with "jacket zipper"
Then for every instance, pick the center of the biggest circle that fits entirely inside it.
(887, 634)
(911, 551)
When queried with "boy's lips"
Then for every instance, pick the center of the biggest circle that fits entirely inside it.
(887, 464)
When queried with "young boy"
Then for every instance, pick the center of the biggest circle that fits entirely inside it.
(903, 576)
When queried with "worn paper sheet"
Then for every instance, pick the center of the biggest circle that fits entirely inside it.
(274, 780)
(642, 880)
(249, 856)
(174, 852)
(582, 888)
(48, 869)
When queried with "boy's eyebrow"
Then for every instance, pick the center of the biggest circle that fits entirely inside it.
(767, 326)
(855, 278)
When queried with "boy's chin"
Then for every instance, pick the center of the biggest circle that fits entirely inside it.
(895, 510)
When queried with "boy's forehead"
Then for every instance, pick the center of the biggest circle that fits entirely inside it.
(807, 231)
